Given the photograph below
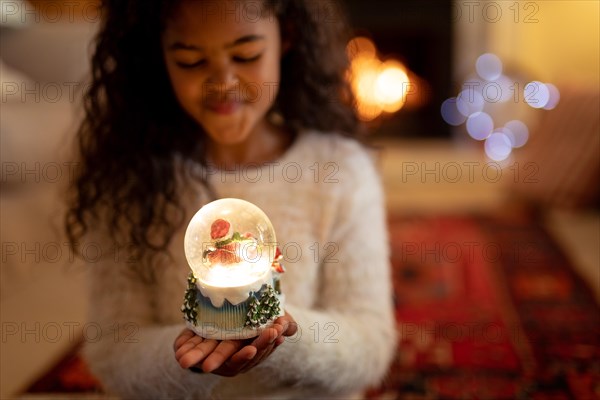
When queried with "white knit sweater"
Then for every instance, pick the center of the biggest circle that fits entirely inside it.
(325, 201)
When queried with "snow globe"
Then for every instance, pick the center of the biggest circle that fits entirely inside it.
(233, 290)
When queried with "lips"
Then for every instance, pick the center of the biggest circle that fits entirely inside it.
(223, 107)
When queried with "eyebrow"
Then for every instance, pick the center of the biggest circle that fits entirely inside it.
(237, 42)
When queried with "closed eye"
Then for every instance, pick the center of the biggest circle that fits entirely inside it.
(198, 63)
(202, 62)
(246, 59)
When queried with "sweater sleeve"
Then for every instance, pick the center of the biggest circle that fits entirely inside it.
(132, 356)
(346, 343)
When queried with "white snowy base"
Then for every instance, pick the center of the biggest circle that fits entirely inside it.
(209, 330)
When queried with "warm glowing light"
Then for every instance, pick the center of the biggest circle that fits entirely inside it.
(238, 274)
(391, 85)
(378, 87)
(364, 73)
(368, 112)
(361, 46)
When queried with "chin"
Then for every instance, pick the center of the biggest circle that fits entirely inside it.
(228, 137)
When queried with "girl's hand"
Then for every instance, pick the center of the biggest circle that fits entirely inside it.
(231, 357)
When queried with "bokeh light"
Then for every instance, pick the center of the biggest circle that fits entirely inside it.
(554, 97)
(450, 112)
(517, 132)
(488, 66)
(361, 46)
(364, 73)
(536, 94)
(506, 87)
(378, 86)
(497, 146)
(480, 125)
(476, 101)
(391, 86)
(469, 101)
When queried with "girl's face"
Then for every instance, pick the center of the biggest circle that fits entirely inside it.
(223, 60)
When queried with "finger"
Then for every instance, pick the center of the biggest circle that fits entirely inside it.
(266, 352)
(279, 341)
(290, 327)
(264, 349)
(242, 358)
(197, 354)
(183, 337)
(246, 354)
(266, 337)
(187, 346)
(263, 354)
(220, 354)
(237, 362)
(246, 358)
(279, 328)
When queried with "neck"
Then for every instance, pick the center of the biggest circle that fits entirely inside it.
(267, 144)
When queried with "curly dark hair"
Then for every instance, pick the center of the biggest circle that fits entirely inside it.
(127, 152)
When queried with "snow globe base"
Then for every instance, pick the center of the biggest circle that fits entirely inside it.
(210, 331)
(232, 322)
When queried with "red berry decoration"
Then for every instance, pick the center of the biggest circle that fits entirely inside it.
(219, 229)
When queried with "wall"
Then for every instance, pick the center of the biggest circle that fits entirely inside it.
(551, 40)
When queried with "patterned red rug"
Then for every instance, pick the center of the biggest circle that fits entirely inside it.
(487, 309)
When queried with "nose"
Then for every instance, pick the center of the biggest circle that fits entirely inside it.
(222, 77)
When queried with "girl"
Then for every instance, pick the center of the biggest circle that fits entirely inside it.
(197, 100)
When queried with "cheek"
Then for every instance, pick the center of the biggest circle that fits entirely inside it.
(186, 89)
(185, 86)
(271, 85)
(261, 86)
(251, 91)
